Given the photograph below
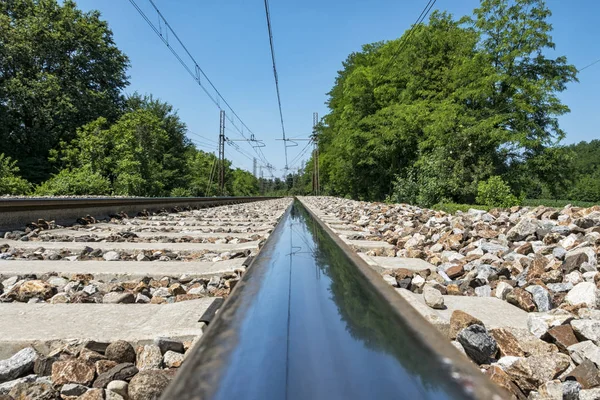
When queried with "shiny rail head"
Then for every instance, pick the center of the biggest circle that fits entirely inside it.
(310, 319)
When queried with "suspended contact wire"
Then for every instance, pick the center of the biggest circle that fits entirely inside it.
(268, 14)
(401, 46)
(199, 72)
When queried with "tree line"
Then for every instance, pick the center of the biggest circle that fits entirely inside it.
(460, 110)
(67, 128)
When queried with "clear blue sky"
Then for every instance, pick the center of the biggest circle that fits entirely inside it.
(229, 40)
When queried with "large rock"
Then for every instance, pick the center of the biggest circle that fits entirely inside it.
(498, 376)
(18, 365)
(119, 387)
(173, 360)
(73, 371)
(433, 298)
(120, 372)
(585, 351)
(118, 298)
(532, 345)
(34, 390)
(524, 228)
(571, 390)
(92, 394)
(165, 344)
(522, 299)
(531, 372)
(584, 292)
(478, 343)
(35, 289)
(539, 323)
(120, 352)
(111, 256)
(574, 259)
(459, 320)
(589, 394)
(149, 357)
(588, 329)
(587, 374)
(73, 389)
(541, 297)
(508, 344)
(148, 385)
(563, 336)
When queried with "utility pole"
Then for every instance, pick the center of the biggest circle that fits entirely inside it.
(254, 167)
(222, 153)
(316, 183)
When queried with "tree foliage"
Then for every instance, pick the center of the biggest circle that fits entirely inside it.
(59, 69)
(426, 118)
(10, 181)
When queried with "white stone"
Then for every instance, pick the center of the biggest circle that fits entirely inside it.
(173, 359)
(483, 291)
(506, 361)
(111, 256)
(57, 281)
(502, 289)
(587, 349)
(418, 281)
(573, 278)
(587, 328)
(18, 364)
(433, 298)
(584, 292)
(589, 394)
(148, 357)
(118, 387)
(387, 278)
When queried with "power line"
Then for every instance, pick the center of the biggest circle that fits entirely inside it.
(401, 46)
(589, 65)
(198, 74)
(301, 154)
(267, 13)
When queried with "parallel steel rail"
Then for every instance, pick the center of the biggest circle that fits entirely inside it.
(16, 213)
(206, 370)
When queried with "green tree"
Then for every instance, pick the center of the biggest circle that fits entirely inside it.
(244, 183)
(59, 69)
(10, 181)
(515, 35)
(130, 153)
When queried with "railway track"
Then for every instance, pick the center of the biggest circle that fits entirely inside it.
(114, 307)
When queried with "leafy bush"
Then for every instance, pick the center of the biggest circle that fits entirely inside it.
(587, 188)
(79, 181)
(181, 192)
(494, 192)
(10, 182)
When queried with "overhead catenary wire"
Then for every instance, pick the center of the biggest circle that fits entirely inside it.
(301, 154)
(589, 65)
(272, 46)
(198, 72)
(403, 42)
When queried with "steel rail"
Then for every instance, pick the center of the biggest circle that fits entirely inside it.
(210, 370)
(16, 213)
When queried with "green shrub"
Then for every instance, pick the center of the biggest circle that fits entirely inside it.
(494, 192)
(10, 182)
(79, 181)
(181, 192)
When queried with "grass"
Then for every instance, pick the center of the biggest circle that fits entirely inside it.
(557, 203)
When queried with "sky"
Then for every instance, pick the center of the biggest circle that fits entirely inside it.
(229, 40)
